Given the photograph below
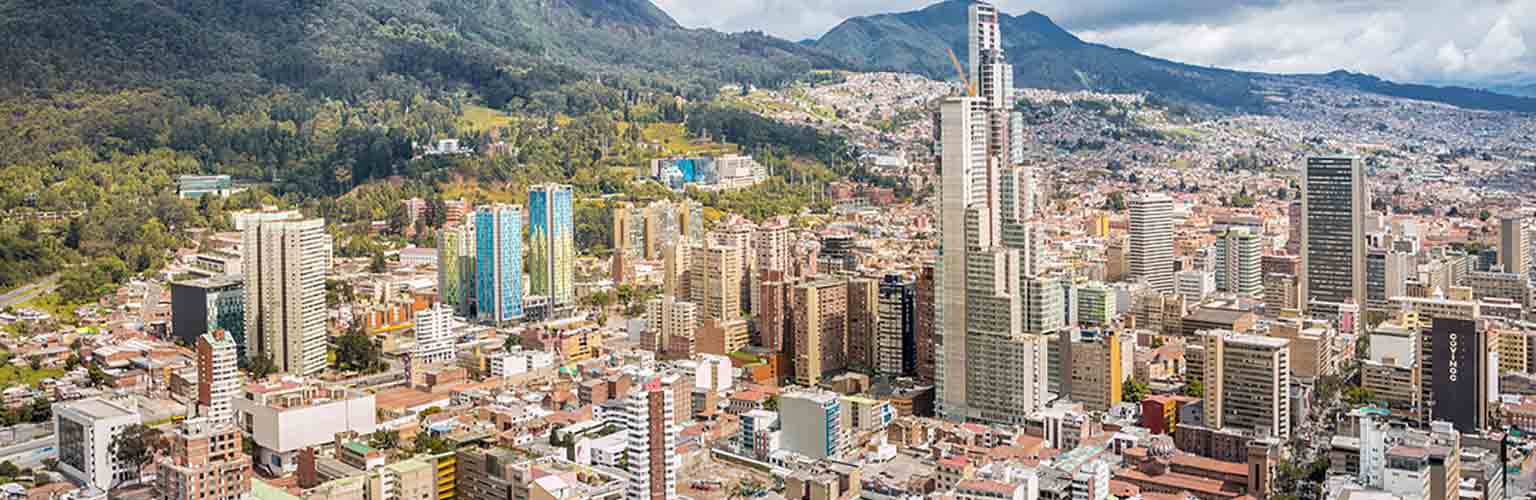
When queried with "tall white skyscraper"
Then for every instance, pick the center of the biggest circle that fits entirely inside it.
(285, 267)
(1151, 248)
(988, 365)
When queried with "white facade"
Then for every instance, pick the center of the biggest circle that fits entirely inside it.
(812, 423)
(519, 361)
(285, 267)
(713, 372)
(1091, 482)
(606, 451)
(434, 335)
(1194, 285)
(85, 429)
(1150, 253)
(284, 430)
(244, 220)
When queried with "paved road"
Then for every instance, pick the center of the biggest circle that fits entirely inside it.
(31, 453)
(28, 292)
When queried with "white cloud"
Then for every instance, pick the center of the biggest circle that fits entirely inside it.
(1407, 40)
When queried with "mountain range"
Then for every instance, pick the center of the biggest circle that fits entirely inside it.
(1046, 56)
(510, 49)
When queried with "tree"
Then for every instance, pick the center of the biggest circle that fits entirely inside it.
(51, 463)
(427, 443)
(1133, 391)
(1115, 201)
(378, 264)
(261, 366)
(356, 352)
(383, 439)
(35, 362)
(511, 342)
(772, 404)
(1194, 389)
(72, 363)
(8, 469)
(135, 445)
(429, 412)
(97, 376)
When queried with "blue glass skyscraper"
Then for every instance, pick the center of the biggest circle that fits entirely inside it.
(552, 244)
(499, 262)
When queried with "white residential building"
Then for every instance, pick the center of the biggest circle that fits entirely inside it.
(434, 335)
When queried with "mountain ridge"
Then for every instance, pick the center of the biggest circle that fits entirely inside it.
(1044, 55)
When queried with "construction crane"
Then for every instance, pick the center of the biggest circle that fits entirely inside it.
(970, 88)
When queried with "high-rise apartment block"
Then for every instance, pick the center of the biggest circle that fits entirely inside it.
(1239, 261)
(862, 343)
(819, 312)
(1247, 383)
(1334, 200)
(499, 263)
(456, 267)
(218, 376)
(715, 280)
(925, 329)
(668, 319)
(434, 339)
(652, 450)
(552, 244)
(896, 344)
(285, 267)
(1150, 253)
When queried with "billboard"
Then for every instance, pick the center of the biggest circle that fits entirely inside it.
(1458, 352)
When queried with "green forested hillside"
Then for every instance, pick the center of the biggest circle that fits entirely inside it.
(316, 104)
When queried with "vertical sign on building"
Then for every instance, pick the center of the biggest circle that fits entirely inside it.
(1458, 353)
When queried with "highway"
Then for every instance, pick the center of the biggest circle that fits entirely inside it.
(30, 453)
(30, 291)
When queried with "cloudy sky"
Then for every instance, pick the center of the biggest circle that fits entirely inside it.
(1405, 40)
